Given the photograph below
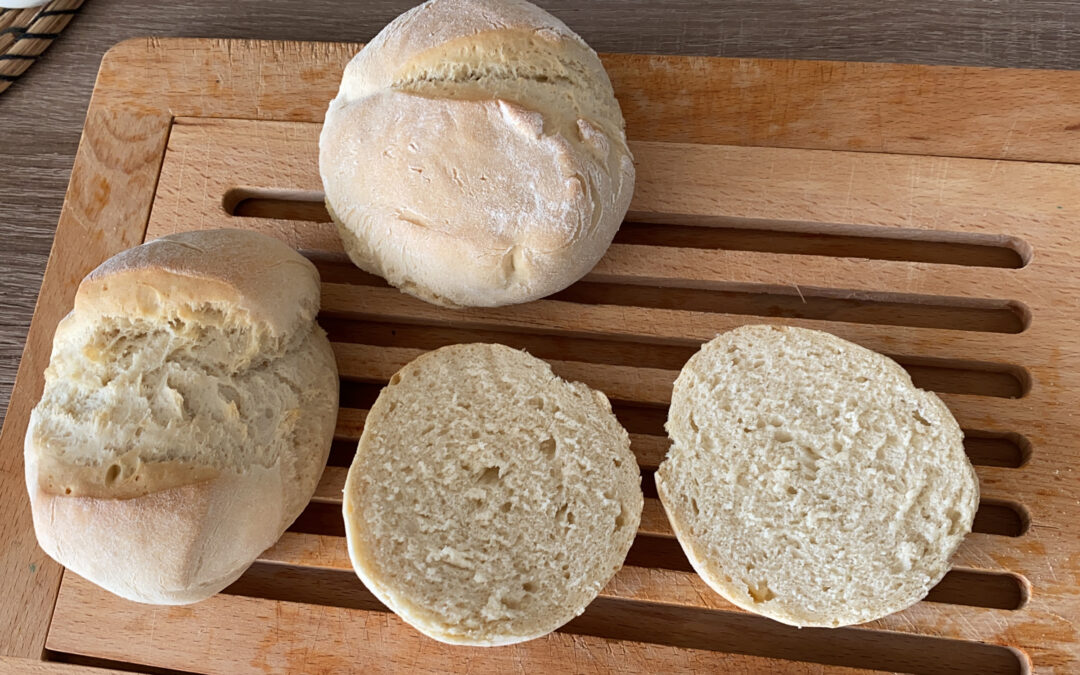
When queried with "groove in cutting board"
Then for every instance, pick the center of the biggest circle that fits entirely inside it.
(984, 448)
(738, 632)
(1000, 590)
(878, 308)
(657, 568)
(882, 309)
(731, 234)
(995, 517)
(751, 634)
(649, 441)
(644, 388)
(662, 326)
(952, 376)
(988, 448)
(611, 631)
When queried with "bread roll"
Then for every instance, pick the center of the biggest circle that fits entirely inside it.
(475, 154)
(809, 480)
(489, 500)
(188, 411)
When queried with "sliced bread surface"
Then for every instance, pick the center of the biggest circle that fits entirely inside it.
(489, 500)
(809, 480)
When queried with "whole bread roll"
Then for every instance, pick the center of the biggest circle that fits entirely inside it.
(188, 411)
(489, 500)
(475, 154)
(809, 480)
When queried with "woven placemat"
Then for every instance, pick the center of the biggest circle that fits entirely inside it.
(26, 33)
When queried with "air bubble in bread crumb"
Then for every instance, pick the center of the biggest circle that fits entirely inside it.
(490, 475)
(547, 448)
(760, 592)
(620, 520)
(561, 513)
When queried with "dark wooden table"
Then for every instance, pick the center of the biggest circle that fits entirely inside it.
(41, 115)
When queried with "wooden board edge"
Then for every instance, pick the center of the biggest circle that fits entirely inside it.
(79, 246)
(827, 105)
(106, 210)
(19, 666)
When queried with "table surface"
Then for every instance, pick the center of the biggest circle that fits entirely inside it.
(41, 115)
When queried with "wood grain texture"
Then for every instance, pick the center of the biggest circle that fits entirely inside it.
(248, 635)
(47, 106)
(120, 151)
(660, 300)
(15, 666)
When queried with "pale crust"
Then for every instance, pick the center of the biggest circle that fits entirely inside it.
(444, 218)
(475, 155)
(429, 26)
(246, 272)
(174, 532)
(170, 547)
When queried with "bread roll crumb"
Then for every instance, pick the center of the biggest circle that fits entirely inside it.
(489, 500)
(809, 480)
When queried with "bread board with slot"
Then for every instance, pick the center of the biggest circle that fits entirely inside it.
(928, 213)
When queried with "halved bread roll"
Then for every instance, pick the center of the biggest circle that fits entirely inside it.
(489, 500)
(809, 480)
(188, 411)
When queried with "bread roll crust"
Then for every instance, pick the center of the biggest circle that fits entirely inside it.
(475, 154)
(809, 480)
(187, 415)
(423, 32)
(256, 278)
(480, 208)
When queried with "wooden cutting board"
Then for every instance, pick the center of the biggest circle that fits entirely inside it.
(928, 213)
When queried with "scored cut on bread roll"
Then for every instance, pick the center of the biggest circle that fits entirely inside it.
(809, 480)
(188, 411)
(489, 500)
(475, 154)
